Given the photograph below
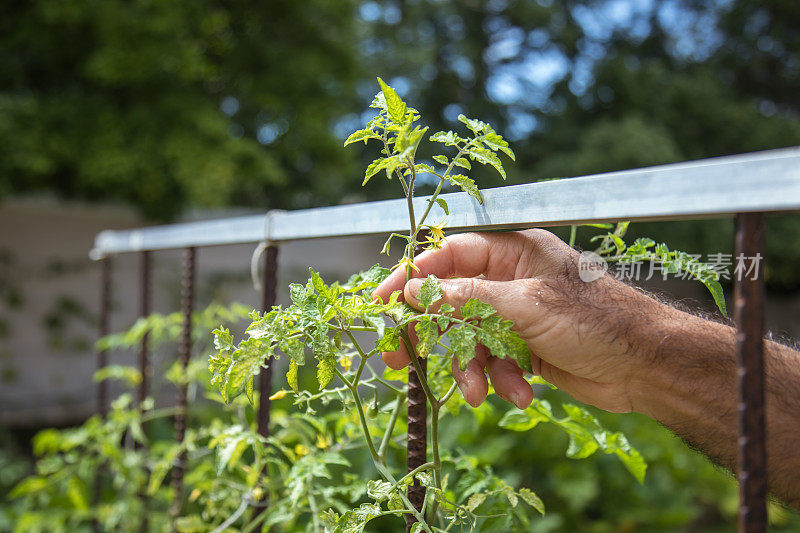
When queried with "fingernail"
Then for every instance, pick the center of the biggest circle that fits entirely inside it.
(516, 399)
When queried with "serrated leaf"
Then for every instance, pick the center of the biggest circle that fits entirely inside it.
(467, 185)
(390, 341)
(379, 490)
(531, 499)
(325, 371)
(463, 163)
(442, 160)
(291, 375)
(448, 138)
(394, 105)
(462, 342)
(389, 164)
(428, 333)
(361, 135)
(476, 309)
(476, 126)
(430, 292)
(475, 501)
(485, 156)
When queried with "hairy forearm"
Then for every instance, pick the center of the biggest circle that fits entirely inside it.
(691, 388)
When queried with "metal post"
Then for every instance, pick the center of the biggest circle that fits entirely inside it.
(749, 309)
(184, 352)
(417, 438)
(144, 311)
(268, 286)
(105, 312)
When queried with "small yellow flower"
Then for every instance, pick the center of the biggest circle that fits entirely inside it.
(301, 450)
(346, 361)
(405, 262)
(323, 442)
(437, 231)
(278, 395)
(258, 494)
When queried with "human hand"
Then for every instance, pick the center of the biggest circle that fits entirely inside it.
(589, 339)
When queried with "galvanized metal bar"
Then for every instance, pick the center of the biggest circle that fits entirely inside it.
(144, 311)
(105, 315)
(762, 181)
(417, 433)
(749, 309)
(184, 354)
(269, 290)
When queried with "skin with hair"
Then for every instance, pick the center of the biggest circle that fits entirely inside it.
(609, 345)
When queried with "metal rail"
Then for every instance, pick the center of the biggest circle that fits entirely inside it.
(762, 181)
(745, 186)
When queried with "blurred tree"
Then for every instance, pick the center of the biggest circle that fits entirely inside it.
(166, 104)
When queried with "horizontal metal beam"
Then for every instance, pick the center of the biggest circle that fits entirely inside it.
(762, 181)
(233, 230)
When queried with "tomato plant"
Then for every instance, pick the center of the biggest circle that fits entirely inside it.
(329, 321)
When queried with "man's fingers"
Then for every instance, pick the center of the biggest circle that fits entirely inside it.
(472, 380)
(508, 382)
(511, 299)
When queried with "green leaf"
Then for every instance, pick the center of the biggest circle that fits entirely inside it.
(442, 160)
(531, 499)
(463, 163)
(361, 135)
(389, 164)
(476, 126)
(291, 375)
(516, 420)
(462, 342)
(394, 105)
(130, 375)
(476, 309)
(428, 334)
(485, 156)
(448, 138)
(325, 371)
(467, 185)
(379, 490)
(475, 501)
(443, 205)
(617, 444)
(390, 341)
(430, 292)
(353, 521)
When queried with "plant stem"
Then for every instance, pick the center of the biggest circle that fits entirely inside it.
(360, 407)
(448, 394)
(573, 231)
(387, 436)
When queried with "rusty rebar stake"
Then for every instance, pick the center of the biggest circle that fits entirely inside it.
(749, 316)
(269, 290)
(269, 286)
(184, 353)
(417, 438)
(144, 311)
(105, 313)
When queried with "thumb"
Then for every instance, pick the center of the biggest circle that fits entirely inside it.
(511, 299)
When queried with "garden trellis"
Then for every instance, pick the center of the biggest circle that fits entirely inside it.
(745, 187)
